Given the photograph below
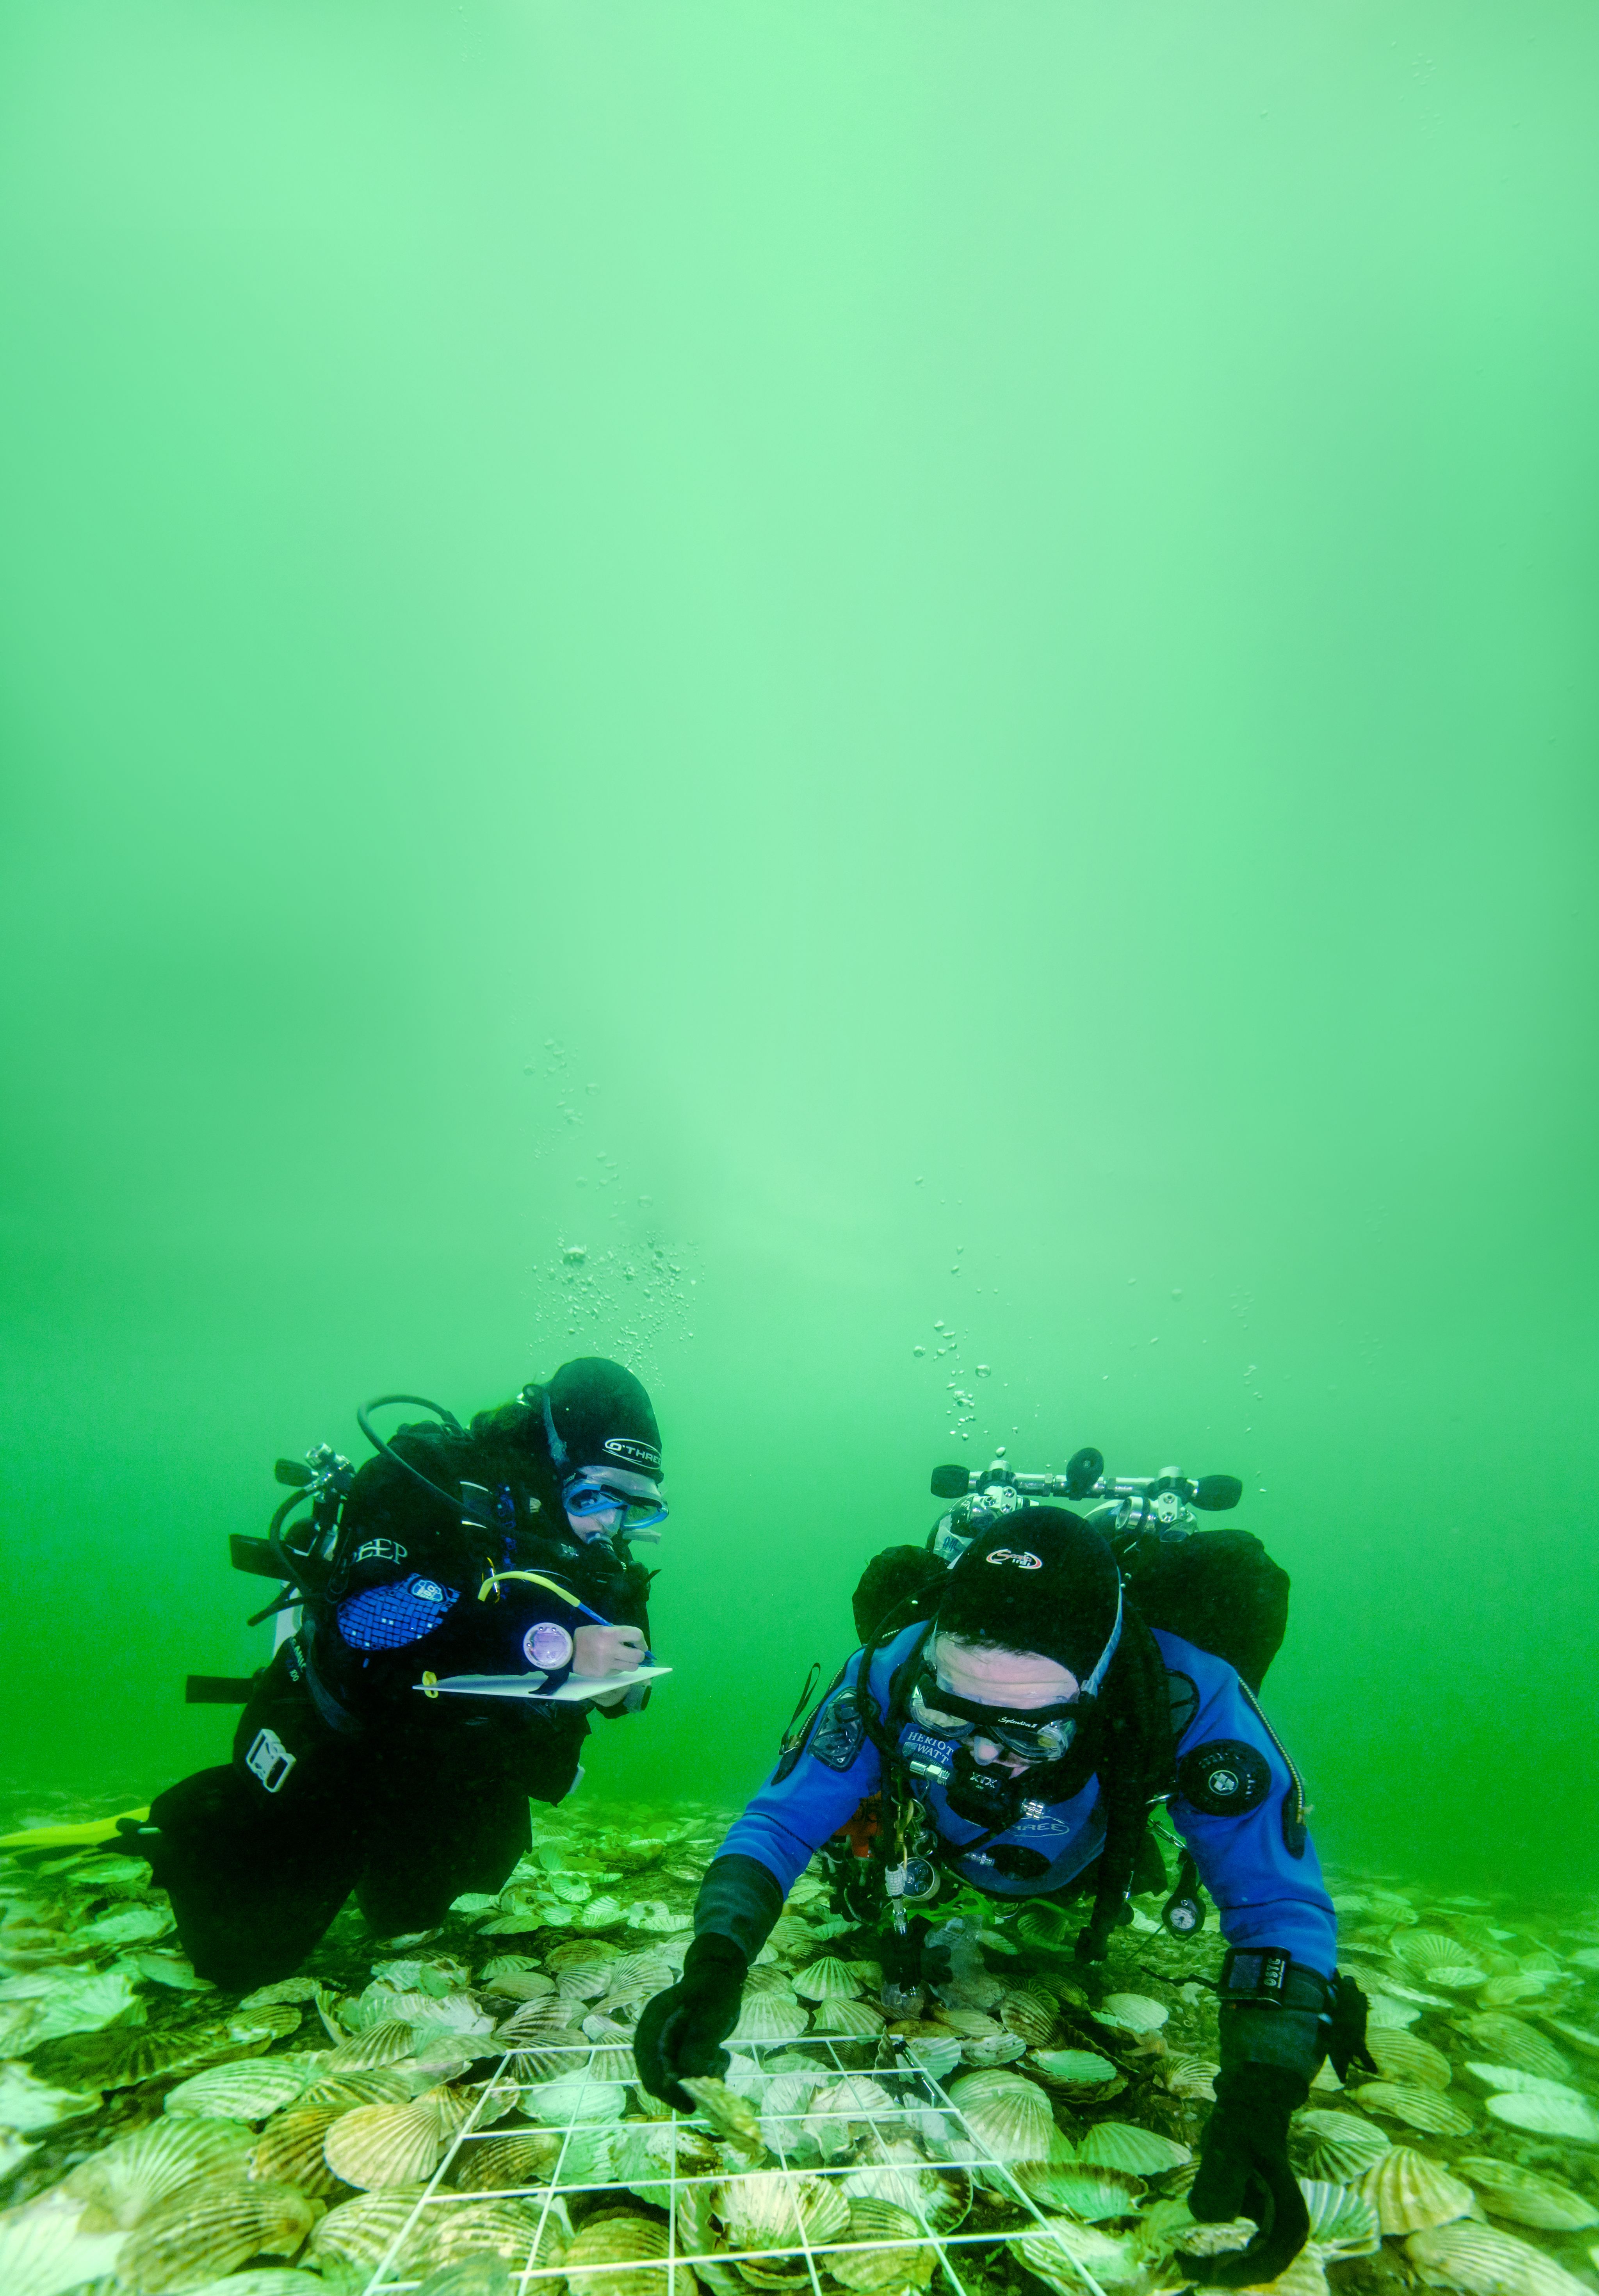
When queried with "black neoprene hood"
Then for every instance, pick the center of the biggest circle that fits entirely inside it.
(1042, 1580)
(602, 1415)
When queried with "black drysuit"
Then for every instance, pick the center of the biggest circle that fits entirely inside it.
(345, 1775)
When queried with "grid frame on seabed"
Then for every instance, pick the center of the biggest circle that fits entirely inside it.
(915, 2091)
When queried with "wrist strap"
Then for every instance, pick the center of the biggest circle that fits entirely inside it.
(1265, 1977)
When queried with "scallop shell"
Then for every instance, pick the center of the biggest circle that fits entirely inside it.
(44, 2249)
(493, 2227)
(1033, 2016)
(728, 2113)
(246, 2091)
(1413, 2193)
(508, 2163)
(1130, 2012)
(205, 2231)
(289, 2151)
(1518, 2043)
(973, 2024)
(573, 1951)
(382, 2043)
(1058, 2246)
(1436, 1959)
(769, 2017)
(384, 2144)
(1406, 2057)
(573, 2098)
(1343, 2223)
(1077, 2188)
(378, 2084)
(855, 2020)
(1341, 2145)
(1418, 2108)
(1137, 2152)
(121, 2058)
(764, 2210)
(1519, 2084)
(933, 2054)
(1044, 1929)
(1525, 2196)
(272, 2021)
(895, 2271)
(1486, 2262)
(357, 2233)
(1083, 2071)
(1385, 2013)
(611, 2253)
(1547, 2116)
(939, 2197)
(828, 1979)
(994, 2049)
(582, 1981)
(1192, 2077)
(1009, 2117)
(119, 2186)
(286, 1989)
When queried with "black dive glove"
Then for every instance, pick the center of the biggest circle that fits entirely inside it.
(1243, 2172)
(682, 2029)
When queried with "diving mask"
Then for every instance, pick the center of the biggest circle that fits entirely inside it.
(1041, 1735)
(638, 1503)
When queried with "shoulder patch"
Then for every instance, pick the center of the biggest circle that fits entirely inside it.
(838, 1733)
(1184, 1693)
(1224, 1779)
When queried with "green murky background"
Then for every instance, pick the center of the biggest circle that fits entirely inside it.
(885, 663)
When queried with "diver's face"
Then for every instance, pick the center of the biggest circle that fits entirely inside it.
(585, 1527)
(1013, 1681)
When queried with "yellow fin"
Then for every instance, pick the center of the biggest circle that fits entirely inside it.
(69, 1837)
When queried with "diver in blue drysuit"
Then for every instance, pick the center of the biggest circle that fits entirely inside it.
(1029, 1726)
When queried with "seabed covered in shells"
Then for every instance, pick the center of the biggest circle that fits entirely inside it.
(457, 2112)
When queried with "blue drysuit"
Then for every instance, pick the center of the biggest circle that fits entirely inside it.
(1238, 1805)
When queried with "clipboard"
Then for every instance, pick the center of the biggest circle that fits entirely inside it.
(573, 1691)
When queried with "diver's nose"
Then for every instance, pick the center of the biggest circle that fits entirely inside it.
(984, 1751)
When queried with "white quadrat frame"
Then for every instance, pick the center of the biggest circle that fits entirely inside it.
(915, 2093)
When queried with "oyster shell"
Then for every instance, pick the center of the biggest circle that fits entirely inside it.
(1412, 2193)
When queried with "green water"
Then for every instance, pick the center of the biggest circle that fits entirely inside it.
(895, 664)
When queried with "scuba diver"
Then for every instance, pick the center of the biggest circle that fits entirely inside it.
(455, 1597)
(1016, 1733)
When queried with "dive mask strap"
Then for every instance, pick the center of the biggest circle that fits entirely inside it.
(1092, 1687)
(557, 1448)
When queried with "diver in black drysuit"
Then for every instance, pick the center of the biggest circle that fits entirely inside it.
(346, 1773)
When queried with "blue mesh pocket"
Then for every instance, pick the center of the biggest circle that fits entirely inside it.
(388, 1618)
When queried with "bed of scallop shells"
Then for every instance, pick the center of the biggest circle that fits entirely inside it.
(457, 2112)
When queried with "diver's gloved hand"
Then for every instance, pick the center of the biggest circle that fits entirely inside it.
(1244, 2172)
(682, 2029)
